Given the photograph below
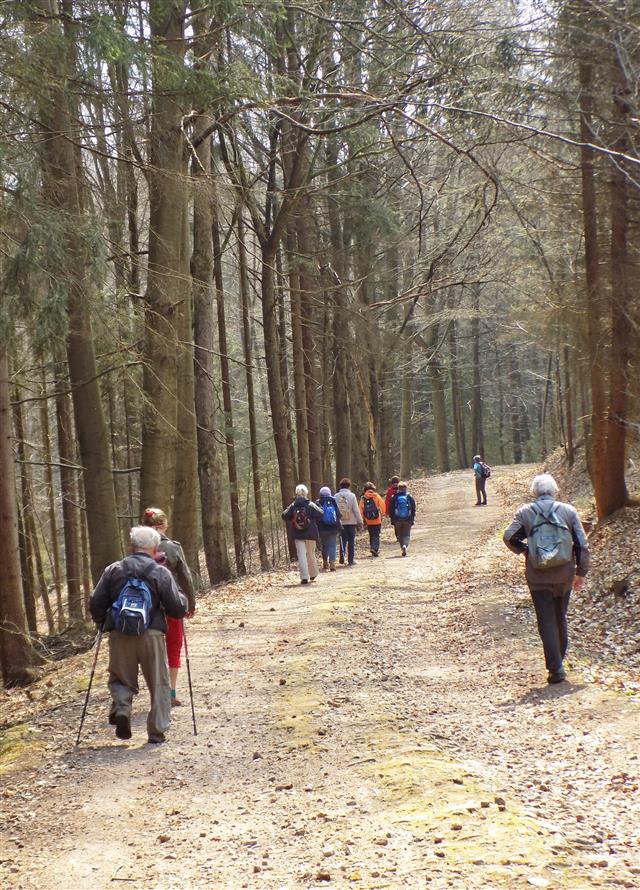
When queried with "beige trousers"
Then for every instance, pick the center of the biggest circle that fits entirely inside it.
(149, 652)
(307, 564)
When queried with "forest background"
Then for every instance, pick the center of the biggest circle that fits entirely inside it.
(250, 244)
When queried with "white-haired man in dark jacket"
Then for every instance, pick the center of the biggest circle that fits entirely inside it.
(550, 535)
(148, 650)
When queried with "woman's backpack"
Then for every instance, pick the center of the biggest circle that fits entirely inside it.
(371, 509)
(329, 514)
(403, 508)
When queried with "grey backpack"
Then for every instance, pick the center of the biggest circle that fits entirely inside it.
(551, 541)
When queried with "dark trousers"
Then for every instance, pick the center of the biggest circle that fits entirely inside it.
(551, 604)
(403, 531)
(481, 490)
(374, 537)
(348, 535)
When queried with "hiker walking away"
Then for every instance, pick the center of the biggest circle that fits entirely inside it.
(372, 509)
(391, 490)
(303, 515)
(557, 560)
(351, 520)
(133, 614)
(171, 554)
(481, 472)
(402, 512)
(328, 527)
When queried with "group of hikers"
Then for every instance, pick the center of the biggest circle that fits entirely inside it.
(142, 600)
(332, 520)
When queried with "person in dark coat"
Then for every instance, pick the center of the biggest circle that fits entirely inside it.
(171, 555)
(480, 477)
(148, 651)
(551, 585)
(303, 515)
(402, 512)
(328, 531)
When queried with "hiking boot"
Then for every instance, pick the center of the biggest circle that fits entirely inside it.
(556, 677)
(112, 718)
(304, 581)
(311, 580)
(123, 726)
(176, 703)
(325, 564)
(342, 560)
(157, 739)
(404, 550)
(332, 565)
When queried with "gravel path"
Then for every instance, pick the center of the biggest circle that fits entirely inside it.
(389, 726)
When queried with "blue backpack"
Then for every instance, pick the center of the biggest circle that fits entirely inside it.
(403, 510)
(329, 515)
(131, 612)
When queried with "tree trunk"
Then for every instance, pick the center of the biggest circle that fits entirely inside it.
(229, 433)
(477, 430)
(299, 380)
(53, 518)
(167, 197)
(69, 495)
(209, 460)
(248, 361)
(439, 407)
(16, 652)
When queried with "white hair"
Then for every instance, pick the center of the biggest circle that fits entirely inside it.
(544, 484)
(302, 491)
(143, 537)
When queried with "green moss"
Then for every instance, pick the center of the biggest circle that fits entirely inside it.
(15, 743)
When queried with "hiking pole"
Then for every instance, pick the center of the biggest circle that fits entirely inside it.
(93, 670)
(186, 656)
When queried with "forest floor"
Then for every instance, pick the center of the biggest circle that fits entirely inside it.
(388, 726)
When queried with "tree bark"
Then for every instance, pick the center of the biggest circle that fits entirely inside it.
(16, 652)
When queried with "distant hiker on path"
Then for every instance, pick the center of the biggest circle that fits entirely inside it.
(136, 633)
(557, 560)
(402, 512)
(391, 490)
(303, 515)
(372, 509)
(171, 555)
(481, 472)
(348, 504)
(328, 528)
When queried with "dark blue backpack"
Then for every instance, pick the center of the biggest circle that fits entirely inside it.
(403, 510)
(131, 612)
(329, 515)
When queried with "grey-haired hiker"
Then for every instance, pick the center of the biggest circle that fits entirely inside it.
(551, 537)
(303, 515)
(146, 650)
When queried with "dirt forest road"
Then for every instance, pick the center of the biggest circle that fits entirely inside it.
(388, 726)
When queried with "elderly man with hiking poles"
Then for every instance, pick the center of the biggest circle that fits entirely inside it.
(130, 602)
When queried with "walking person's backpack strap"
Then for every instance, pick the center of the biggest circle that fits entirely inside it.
(550, 542)
(131, 611)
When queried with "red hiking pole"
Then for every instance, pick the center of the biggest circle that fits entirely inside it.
(186, 655)
(86, 699)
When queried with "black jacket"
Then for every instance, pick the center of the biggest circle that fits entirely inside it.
(313, 512)
(165, 595)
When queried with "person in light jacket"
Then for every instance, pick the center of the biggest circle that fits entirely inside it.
(303, 515)
(350, 512)
(550, 587)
